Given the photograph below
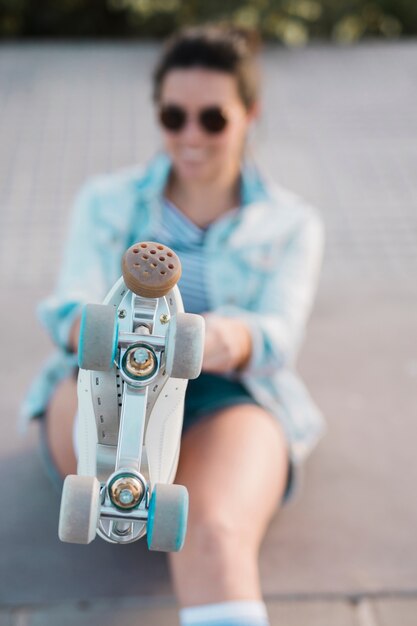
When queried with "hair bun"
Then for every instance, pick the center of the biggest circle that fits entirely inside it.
(249, 37)
(216, 46)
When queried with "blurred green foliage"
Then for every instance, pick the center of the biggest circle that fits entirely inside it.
(292, 22)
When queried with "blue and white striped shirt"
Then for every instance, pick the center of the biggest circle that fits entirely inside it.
(186, 239)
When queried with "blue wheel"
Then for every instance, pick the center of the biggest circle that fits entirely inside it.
(97, 346)
(167, 518)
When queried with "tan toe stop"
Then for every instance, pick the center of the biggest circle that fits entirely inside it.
(150, 269)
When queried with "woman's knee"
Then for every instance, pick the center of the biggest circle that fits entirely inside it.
(219, 537)
(215, 564)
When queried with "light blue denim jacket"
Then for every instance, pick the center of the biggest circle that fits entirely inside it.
(262, 265)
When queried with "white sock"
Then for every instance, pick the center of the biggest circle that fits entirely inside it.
(234, 613)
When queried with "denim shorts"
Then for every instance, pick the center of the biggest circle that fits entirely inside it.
(205, 395)
(209, 393)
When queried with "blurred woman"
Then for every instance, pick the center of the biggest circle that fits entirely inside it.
(251, 253)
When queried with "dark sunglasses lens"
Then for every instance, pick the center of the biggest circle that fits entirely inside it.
(213, 120)
(172, 118)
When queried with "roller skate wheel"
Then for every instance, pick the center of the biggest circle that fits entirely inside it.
(98, 341)
(80, 509)
(167, 518)
(150, 269)
(185, 346)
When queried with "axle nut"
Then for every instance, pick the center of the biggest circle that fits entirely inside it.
(126, 492)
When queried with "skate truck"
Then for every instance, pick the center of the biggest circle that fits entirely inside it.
(136, 353)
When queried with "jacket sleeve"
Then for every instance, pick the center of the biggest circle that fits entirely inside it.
(277, 325)
(82, 276)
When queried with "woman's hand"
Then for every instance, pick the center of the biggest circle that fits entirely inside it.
(228, 344)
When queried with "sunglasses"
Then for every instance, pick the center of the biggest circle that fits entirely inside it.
(174, 118)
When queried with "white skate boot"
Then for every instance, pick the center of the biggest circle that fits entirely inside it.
(136, 353)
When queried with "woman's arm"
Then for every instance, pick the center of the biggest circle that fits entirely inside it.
(82, 276)
(285, 301)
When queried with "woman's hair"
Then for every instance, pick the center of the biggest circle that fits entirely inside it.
(214, 47)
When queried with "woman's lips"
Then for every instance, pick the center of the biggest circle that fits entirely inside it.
(193, 155)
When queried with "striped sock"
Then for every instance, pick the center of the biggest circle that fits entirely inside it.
(236, 613)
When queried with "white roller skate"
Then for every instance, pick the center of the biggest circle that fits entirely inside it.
(136, 353)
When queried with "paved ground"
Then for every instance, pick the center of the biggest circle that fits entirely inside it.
(340, 127)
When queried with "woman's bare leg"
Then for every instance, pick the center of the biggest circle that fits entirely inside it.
(234, 465)
(59, 425)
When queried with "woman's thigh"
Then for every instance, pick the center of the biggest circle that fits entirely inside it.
(234, 464)
(234, 461)
(59, 426)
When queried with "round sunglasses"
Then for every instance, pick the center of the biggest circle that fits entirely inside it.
(174, 118)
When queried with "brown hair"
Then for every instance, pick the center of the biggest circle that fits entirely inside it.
(216, 47)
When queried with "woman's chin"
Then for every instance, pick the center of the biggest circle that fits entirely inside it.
(194, 171)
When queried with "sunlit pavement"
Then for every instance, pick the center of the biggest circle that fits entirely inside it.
(340, 129)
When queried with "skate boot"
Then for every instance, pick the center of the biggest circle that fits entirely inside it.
(136, 353)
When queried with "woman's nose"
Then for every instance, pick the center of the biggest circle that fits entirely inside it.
(192, 128)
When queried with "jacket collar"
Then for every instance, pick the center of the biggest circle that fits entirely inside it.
(152, 183)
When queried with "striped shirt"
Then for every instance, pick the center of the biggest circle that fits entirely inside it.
(185, 238)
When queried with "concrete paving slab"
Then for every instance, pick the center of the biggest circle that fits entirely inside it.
(36, 567)
(128, 612)
(331, 130)
(131, 612)
(392, 611)
(313, 613)
(351, 151)
(354, 528)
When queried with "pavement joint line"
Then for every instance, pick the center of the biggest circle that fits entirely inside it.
(355, 597)
(145, 602)
(358, 599)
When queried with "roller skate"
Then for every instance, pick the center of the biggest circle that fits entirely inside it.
(136, 353)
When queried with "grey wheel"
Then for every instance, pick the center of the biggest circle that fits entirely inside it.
(98, 337)
(80, 509)
(185, 346)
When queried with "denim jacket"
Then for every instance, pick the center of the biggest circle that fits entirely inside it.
(262, 265)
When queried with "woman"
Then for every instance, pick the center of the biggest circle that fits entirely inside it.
(251, 254)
